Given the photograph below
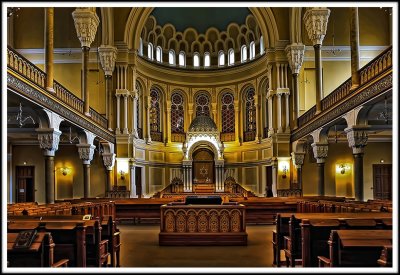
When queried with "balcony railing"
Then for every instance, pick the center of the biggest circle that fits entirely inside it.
(227, 137)
(24, 67)
(156, 136)
(249, 136)
(178, 137)
(373, 69)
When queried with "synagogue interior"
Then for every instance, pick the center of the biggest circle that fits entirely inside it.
(199, 136)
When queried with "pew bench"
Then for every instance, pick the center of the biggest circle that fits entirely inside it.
(39, 254)
(356, 248)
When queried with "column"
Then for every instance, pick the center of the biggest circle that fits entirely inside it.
(49, 60)
(86, 152)
(132, 179)
(357, 137)
(134, 107)
(48, 141)
(275, 177)
(148, 106)
(295, 55)
(354, 47)
(316, 21)
(270, 112)
(280, 130)
(298, 161)
(320, 151)
(287, 127)
(236, 103)
(125, 131)
(108, 55)
(168, 120)
(86, 23)
(258, 120)
(109, 161)
(278, 72)
(214, 111)
(117, 130)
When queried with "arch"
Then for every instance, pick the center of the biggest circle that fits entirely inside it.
(171, 57)
(231, 57)
(182, 59)
(177, 112)
(202, 144)
(207, 59)
(138, 16)
(295, 25)
(159, 54)
(196, 59)
(243, 53)
(202, 102)
(221, 58)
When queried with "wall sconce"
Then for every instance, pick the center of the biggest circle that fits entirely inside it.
(284, 170)
(122, 173)
(342, 168)
(65, 170)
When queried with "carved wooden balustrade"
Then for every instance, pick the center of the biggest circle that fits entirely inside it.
(29, 71)
(378, 70)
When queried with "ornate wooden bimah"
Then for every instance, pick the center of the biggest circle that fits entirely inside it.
(202, 224)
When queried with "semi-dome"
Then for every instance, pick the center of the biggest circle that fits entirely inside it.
(203, 123)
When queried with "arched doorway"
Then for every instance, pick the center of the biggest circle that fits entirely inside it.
(203, 170)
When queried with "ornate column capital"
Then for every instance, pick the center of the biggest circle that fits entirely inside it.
(108, 160)
(357, 138)
(295, 56)
(298, 159)
(316, 21)
(86, 23)
(86, 152)
(108, 55)
(49, 139)
(320, 151)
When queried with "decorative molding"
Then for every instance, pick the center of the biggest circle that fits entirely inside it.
(298, 159)
(20, 87)
(358, 138)
(361, 96)
(316, 21)
(108, 160)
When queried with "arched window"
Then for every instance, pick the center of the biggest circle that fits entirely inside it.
(139, 111)
(252, 50)
(207, 59)
(159, 54)
(261, 45)
(202, 105)
(177, 113)
(221, 58)
(150, 51)
(243, 52)
(228, 117)
(155, 115)
(141, 46)
(250, 115)
(182, 59)
(231, 57)
(171, 57)
(196, 60)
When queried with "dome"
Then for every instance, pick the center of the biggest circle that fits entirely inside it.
(203, 124)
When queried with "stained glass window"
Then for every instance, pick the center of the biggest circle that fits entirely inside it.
(202, 105)
(228, 113)
(177, 118)
(250, 115)
(155, 111)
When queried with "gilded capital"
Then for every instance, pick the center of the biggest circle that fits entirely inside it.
(86, 23)
(108, 55)
(49, 140)
(295, 55)
(298, 159)
(108, 160)
(86, 152)
(316, 21)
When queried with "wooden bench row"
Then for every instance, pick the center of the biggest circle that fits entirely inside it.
(302, 235)
(330, 206)
(82, 242)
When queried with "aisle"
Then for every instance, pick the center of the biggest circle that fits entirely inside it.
(140, 249)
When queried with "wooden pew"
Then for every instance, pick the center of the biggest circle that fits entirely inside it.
(356, 248)
(315, 234)
(281, 233)
(96, 247)
(39, 254)
(69, 237)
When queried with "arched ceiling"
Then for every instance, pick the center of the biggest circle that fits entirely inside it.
(200, 18)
